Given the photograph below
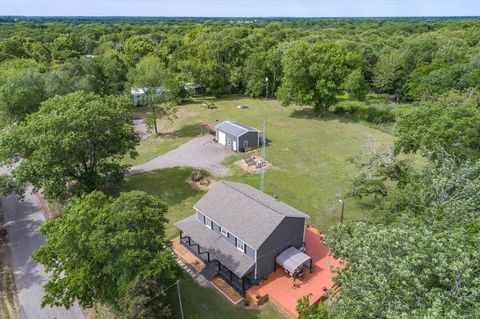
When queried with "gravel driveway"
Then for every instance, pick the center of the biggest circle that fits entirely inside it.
(201, 152)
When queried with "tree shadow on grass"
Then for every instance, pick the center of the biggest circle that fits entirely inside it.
(169, 184)
(309, 113)
(191, 130)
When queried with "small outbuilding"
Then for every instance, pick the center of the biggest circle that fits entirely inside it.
(237, 136)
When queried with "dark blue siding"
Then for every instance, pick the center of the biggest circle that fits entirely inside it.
(249, 251)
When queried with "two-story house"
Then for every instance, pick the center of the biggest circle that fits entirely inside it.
(243, 229)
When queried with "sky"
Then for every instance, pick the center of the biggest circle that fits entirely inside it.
(241, 8)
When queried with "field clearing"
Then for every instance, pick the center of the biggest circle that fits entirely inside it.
(310, 156)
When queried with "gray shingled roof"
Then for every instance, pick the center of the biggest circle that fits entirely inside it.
(239, 263)
(235, 128)
(244, 211)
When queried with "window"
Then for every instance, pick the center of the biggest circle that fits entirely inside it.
(229, 142)
(245, 144)
(240, 245)
(208, 222)
(224, 231)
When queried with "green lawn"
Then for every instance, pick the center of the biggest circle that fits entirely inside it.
(311, 172)
(201, 303)
(169, 184)
(309, 154)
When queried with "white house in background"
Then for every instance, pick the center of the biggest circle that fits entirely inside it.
(139, 95)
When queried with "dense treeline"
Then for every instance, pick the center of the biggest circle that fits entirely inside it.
(306, 61)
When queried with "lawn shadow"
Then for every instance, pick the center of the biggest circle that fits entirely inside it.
(169, 184)
(309, 113)
(191, 130)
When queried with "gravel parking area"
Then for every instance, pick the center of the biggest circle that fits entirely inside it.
(201, 152)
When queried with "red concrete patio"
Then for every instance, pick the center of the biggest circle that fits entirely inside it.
(278, 287)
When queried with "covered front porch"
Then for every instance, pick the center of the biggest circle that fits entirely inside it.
(220, 258)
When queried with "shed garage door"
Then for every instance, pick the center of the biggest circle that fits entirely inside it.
(221, 137)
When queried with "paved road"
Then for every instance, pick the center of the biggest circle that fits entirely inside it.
(22, 219)
(200, 152)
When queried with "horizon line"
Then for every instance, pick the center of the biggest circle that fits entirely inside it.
(235, 17)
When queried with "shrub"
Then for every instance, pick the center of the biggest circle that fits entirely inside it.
(376, 115)
(347, 107)
(359, 111)
(198, 175)
(246, 301)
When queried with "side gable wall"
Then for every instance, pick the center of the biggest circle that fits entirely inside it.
(289, 233)
(251, 137)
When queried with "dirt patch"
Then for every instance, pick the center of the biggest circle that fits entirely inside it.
(226, 289)
(253, 164)
(8, 302)
(203, 185)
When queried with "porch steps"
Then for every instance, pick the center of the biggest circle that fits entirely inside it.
(199, 278)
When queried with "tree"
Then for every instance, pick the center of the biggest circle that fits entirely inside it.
(450, 123)
(62, 80)
(378, 170)
(21, 94)
(422, 263)
(104, 250)
(313, 74)
(405, 271)
(64, 47)
(151, 73)
(255, 72)
(387, 72)
(356, 85)
(307, 311)
(9, 186)
(137, 47)
(73, 144)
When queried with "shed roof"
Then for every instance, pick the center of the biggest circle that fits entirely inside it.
(239, 263)
(245, 212)
(235, 128)
(292, 259)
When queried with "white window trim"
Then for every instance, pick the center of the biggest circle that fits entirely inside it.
(208, 222)
(230, 233)
(228, 141)
(241, 245)
(223, 231)
(245, 144)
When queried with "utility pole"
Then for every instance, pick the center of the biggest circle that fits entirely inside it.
(343, 208)
(266, 90)
(264, 155)
(180, 298)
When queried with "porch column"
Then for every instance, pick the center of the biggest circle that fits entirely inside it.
(198, 249)
(231, 275)
(243, 284)
(310, 265)
(208, 256)
(219, 267)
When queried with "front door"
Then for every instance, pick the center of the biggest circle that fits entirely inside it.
(234, 145)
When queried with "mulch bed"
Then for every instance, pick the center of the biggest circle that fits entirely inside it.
(187, 255)
(226, 289)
